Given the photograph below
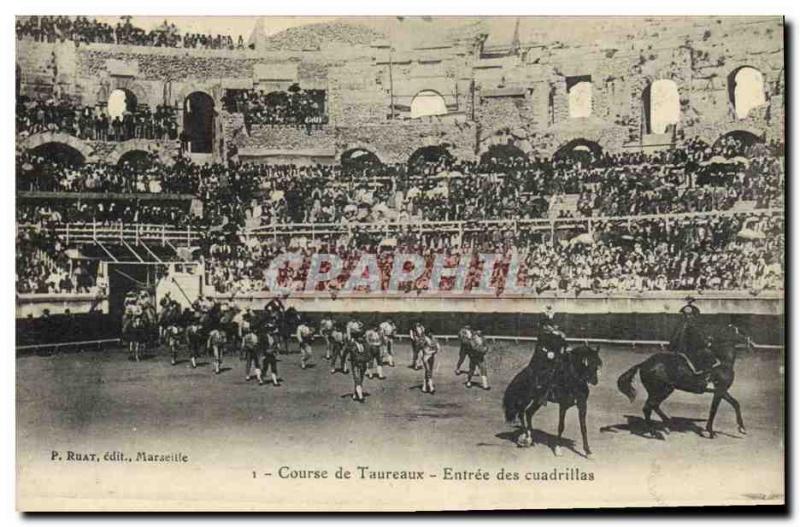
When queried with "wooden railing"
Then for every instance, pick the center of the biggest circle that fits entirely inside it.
(131, 233)
(538, 224)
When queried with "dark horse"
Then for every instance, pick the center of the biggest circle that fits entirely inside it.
(523, 398)
(663, 373)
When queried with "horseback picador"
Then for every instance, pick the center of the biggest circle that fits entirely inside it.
(688, 340)
(275, 306)
(549, 354)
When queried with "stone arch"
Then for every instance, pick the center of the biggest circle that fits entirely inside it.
(745, 138)
(428, 155)
(141, 93)
(186, 91)
(36, 140)
(199, 119)
(143, 145)
(746, 90)
(59, 153)
(359, 155)
(119, 101)
(570, 148)
(579, 96)
(661, 106)
(503, 151)
(136, 158)
(427, 103)
(517, 138)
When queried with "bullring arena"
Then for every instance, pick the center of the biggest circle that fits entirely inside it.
(605, 179)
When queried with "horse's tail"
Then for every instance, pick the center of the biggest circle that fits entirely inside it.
(516, 396)
(625, 382)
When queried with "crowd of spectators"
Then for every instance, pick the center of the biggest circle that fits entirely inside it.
(95, 123)
(741, 252)
(254, 195)
(43, 265)
(296, 106)
(83, 30)
(700, 252)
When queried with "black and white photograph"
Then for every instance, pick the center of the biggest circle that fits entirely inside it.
(399, 263)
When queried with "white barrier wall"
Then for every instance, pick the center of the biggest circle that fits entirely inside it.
(33, 305)
(710, 303)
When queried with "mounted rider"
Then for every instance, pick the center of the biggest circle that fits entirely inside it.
(549, 355)
(275, 307)
(688, 340)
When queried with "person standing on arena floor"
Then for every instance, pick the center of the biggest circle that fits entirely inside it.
(429, 347)
(325, 328)
(359, 362)
(304, 336)
(354, 330)
(269, 354)
(338, 349)
(417, 335)
(250, 348)
(477, 350)
(465, 335)
(388, 330)
(373, 342)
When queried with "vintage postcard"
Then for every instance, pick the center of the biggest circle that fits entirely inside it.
(399, 263)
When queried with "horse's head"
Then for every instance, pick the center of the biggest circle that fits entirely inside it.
(587, 363)
(724, 344)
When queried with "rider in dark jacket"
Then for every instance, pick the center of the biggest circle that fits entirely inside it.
(549, 355)
(688, 340)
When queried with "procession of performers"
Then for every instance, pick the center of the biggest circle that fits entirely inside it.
(214, 327)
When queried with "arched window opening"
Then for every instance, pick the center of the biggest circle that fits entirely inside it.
(119, 102)
(579, 150)
(662, 106)
(427, 102)
(198, 122)
(59, 153)
(360, 158)
(138, 160)
(429, 160)
(746, 90)
(502, 154)
(579, 93)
